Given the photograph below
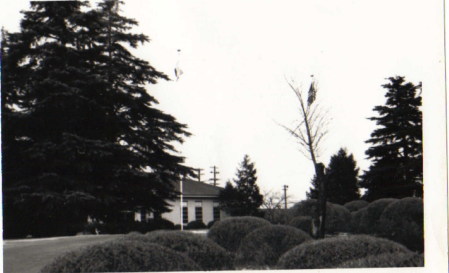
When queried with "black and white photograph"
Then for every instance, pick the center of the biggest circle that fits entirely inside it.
(212, 135)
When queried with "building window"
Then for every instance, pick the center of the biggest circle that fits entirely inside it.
(185, 213)
(199, 211)
(216, 211)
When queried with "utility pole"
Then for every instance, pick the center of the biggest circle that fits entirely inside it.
(285, 196)
(214, 172)
(199, 171)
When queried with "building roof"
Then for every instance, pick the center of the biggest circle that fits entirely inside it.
(196, 189)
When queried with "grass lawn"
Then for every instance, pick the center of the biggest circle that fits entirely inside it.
(30, 255)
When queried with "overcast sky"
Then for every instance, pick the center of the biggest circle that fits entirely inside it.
(235, 55)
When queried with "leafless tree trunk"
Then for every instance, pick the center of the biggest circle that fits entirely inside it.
(309, 133)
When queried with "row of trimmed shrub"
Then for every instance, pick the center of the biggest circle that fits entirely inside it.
(259, 245)
(142, 227)
(400, 220)
(237, 242)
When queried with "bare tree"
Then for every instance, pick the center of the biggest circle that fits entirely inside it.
(309, 133)
(273, 206)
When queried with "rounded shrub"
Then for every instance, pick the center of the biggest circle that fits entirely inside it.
(337, 217)
(265, 245)
(211, 223)
(302, 222)
(230, 231)
(121, 256)
(197, 224)
(356, 217)
(333, 251)
(370, 215)
(402, 221)
(386, 260)
(206, 253)
(355, 205)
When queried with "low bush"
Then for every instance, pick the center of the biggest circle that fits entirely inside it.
(356, 205)
(129, 226)
(302, 222)
(230, 231)
(197, 224)
(121, 256)
(211, 223)
(265, 245)
(331, 252)
(370, 215)
(386, 260)
(402, 222)
(207, 254)
(337, 217)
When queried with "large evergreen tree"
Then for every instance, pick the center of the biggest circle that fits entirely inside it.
(396, 145)
(244, 198)
(341, 179)
(80, 134)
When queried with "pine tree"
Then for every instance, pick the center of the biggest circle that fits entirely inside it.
(81, 136)
(341, 178)
(245, 197)
(396, 145)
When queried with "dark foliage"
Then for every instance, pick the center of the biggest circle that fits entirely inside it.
(302, 222)
(197, 224)
(121, 227)
(265, 245)
(403, 221)
(121, 256)
(369, 216)
(341, 179)
(229, 232)
(355, 205)
(277, 216)
(207, 254)
(386, 260)
(211, 223)
(78, 124)
(244, 198)
(331, 252)
(396, 145)
(337, 217)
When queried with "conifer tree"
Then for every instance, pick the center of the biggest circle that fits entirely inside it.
(396, 145)
(81, 134)
(341, 178)
(244, 198)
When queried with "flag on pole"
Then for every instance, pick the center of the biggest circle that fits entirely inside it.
(312, 92)
(178, 71)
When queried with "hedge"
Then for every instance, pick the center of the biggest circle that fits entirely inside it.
(356, 205)
(304, 223)
(230, 231)
(206, 253)
(386, 260)
(337, 217)
(121, 256)
(402, 221)
(370, 215)
(265, 245)
(197, 224)
(331, 252)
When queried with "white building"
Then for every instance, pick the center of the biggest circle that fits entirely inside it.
(200, 202)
